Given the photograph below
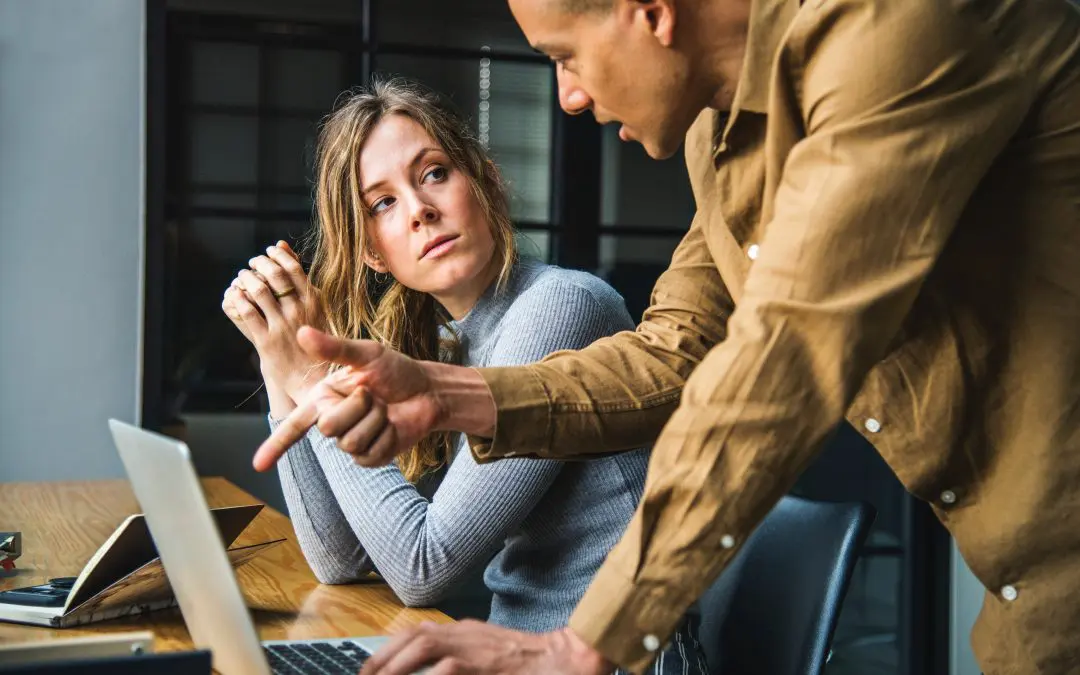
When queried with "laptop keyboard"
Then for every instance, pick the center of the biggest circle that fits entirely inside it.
(315, 657)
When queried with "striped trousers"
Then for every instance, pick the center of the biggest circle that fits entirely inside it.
(683, 655)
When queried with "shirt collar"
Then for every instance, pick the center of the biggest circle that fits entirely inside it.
(769, 22)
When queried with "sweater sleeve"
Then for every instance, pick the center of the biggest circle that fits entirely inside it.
(423, 548)
(331, 548)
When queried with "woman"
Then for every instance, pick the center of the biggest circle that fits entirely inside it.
(410, 205)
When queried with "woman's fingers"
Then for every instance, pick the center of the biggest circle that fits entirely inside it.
(228, 306)
(261, 294)
(251, 320)
(284, 245)
(275, 276)
(289, 265)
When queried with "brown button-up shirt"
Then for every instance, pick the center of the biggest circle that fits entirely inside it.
(888, 228)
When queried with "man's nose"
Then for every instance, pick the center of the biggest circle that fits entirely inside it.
(572, 98)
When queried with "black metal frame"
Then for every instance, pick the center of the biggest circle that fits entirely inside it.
(153, 356)
(575, 187)
(924, 609)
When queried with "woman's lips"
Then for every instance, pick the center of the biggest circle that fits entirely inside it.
(441, 248)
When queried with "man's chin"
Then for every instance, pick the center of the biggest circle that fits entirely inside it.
(659, 151)
(664, 153)
(663, 143)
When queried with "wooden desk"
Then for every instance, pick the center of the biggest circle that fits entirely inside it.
(64, 523)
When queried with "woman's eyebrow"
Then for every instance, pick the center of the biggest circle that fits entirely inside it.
(423, 152)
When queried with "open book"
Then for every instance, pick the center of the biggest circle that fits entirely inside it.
(124, 576)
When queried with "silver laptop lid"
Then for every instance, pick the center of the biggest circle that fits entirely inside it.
(191, 549)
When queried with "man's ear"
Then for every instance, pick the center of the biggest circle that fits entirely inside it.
(658, 15)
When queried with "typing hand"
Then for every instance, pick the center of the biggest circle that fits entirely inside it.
(482, 649)
(378, 407)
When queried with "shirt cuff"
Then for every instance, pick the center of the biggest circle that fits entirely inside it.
(522, 418)
(628, 622)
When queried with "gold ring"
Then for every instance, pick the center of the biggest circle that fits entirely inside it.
(282, 294)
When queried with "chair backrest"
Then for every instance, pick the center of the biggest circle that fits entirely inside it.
(789, 581)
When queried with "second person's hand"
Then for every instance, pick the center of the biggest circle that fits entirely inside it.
(411, 399)
(474, 648)
(373, 429)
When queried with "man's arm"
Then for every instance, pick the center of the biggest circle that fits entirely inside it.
(899, 131)
(634, 379)
(618, 392)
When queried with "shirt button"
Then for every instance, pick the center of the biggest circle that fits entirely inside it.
(727, 541)
(1009, 593)
(651, 642)
(872, 425)
(948, 497)
(752, 251)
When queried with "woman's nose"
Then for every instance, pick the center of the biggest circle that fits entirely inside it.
(424, 214)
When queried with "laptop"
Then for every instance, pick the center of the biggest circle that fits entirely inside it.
(193, 554)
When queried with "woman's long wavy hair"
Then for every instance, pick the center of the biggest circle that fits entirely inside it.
(358, 303)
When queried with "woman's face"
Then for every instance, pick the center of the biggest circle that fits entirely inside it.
(426, 227)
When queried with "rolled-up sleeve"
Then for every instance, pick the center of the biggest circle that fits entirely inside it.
(902, 108)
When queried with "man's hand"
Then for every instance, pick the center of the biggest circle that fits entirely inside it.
(474, 648)
(374, 432)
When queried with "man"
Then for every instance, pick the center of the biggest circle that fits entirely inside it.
(888, 228)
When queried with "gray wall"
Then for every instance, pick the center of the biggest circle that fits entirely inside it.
(71, 195)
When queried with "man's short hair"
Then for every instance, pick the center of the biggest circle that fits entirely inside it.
(586, 6)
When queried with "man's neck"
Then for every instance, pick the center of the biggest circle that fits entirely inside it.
(722, 33)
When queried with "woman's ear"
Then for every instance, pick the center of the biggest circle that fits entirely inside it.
(375, 262)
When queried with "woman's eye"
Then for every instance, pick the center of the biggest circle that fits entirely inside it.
(436, 174)
(382, 204)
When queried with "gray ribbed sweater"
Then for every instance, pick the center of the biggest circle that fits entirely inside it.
(550, 524)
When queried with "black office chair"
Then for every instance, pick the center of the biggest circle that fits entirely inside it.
(790, 580)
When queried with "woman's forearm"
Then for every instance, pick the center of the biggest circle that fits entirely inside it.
(281, 404)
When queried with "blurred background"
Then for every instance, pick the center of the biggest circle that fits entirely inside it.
(148, 149)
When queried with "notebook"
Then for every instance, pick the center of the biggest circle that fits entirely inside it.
(124, 577)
